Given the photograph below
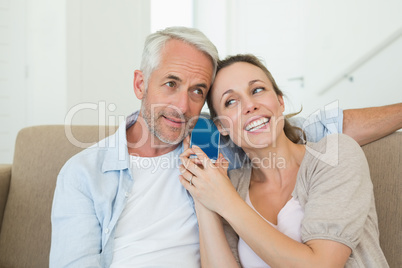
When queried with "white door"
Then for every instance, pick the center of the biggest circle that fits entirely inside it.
(13, 73)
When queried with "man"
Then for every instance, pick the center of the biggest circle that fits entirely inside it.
(122, 204)
(111, 209)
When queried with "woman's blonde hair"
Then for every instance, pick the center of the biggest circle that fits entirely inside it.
(292, 132)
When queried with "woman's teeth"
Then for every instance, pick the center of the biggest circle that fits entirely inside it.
(257, 124)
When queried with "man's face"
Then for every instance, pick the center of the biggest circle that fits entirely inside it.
(176, 92)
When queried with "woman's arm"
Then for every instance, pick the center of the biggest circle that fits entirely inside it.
(276, 249)
(214, 248)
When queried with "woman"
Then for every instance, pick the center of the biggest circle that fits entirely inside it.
(292, 205)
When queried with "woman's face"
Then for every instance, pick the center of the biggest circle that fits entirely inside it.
(247, 106)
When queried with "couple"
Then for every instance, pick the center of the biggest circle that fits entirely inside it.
(110, 210)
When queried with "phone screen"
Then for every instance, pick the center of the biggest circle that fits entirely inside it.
(206, 136)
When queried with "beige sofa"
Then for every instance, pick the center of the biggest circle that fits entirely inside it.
(26, 191)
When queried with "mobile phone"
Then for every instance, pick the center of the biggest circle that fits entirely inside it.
(206, 136)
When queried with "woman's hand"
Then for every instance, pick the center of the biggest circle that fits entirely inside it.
(207, 182)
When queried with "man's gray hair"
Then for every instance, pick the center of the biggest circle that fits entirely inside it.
(155, 42)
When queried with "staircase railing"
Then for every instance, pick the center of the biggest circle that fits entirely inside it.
(346, 74)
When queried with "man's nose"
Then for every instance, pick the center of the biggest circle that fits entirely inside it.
(182, 102)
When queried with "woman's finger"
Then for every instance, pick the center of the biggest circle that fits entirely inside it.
(187, 152)
(187, 175)
(222, 163)
(190, 165)
(206, 162)
(187, 185)
(186, 143)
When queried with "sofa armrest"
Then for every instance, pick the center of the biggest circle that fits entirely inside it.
(5, 178)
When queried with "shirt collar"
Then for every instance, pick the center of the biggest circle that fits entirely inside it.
(116, 155)
(115, 146)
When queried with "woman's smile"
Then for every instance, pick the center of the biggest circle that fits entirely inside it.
(257, 124)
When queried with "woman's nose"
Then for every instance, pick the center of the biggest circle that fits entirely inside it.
(249, 106)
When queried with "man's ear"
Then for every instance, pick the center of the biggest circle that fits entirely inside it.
(139, 84)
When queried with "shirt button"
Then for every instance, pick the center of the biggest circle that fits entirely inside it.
(106, 230)
(127, 194)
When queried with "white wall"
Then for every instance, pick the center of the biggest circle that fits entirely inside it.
(171, 13)
(339, 35)
(46, 61)
(13, 91)
(67, 61)
(73, 60)
(32, 67)
(272, 30)
(104, 46)
(316, 41)
(376, 83)
(211, 17)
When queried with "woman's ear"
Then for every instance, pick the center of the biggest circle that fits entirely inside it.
(282, 103)
(221, 128)
(139, 84)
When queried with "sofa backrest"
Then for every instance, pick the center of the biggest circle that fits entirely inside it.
(41, 152)
(385, 160)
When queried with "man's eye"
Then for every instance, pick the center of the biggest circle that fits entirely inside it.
(199, 92)
(171, 84)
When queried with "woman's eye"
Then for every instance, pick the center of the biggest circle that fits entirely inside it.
(257, 90)
(229, 102)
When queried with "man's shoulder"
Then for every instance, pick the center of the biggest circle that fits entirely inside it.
(85, 158)
(320, 123)
(110, 148)
(90, 158)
